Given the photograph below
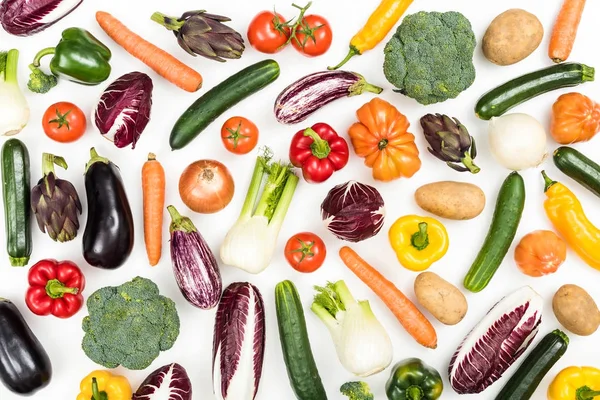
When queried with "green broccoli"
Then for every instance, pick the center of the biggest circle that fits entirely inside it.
(357, 391)
(129, 325)
(39, 82)
(430, 57)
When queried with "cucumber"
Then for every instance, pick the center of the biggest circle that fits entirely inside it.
(577, 166)
(301, 368)
(512, 93)
(16, 192)
(221, 98)
(507, 215)
(530, 373)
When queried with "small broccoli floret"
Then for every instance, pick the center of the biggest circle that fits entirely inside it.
(40, 82)
(129, 325)
(357, 391)
(430, 57)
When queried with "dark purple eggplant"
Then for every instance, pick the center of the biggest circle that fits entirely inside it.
(194, 264)
(305, 96)
(108, 236)
(24, 364)
(26, 17)
(170, 382)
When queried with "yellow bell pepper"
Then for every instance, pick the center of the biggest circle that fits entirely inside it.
(575, 383)
(102, 385)
(566, 214)
(418, 241)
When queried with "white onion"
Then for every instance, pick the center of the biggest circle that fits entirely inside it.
(517, 141)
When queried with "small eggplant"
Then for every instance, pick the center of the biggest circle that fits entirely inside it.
(305, 96)
(194, 264)
(108, 236)
(24, 364)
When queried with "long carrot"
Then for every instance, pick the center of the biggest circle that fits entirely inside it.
(415, 323)
(159, 60)
(565, 30)
(153, 189)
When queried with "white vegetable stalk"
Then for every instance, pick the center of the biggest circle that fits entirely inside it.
(14, 111)
(363, 346)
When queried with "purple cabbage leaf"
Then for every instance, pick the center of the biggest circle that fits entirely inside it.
(27, 17)
(170, 382)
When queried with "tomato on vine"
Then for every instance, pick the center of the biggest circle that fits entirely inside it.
(313, 36)
(64, 122)
(239, 135)
(268, 32)
(305, 252)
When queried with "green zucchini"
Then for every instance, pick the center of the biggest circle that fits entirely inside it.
(301, 368)
(507, 215)
(512, 93)
(580, 168)
(16, 192)
(523, 383)
(221, 98)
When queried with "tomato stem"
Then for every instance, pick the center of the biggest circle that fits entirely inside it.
(61, 119)
(296, 23)
(235, 135)
(305, 249)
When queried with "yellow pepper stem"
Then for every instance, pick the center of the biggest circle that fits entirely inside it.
(353, 52)
(585, 393)
(547, 181)
(96, 394)
(420, 239)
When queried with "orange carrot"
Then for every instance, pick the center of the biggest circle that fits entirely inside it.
(159, 60)
(415, 323)
(565, 30)
(153, 189)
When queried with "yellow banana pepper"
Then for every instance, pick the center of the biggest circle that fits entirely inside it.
(102, 385)
(566, 214)
(381, 21)
(418, 241)
(575, 383)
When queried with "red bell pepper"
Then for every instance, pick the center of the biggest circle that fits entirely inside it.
(319, 151)
(55, 288)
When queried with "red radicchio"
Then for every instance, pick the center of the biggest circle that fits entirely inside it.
(239, 343)
(26, 17)
(170, 382)
(496, 342)
(353, 211)
(124, 109)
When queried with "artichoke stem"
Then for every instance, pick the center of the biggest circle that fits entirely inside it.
(171, 23)
(468, 162)
(48, 161)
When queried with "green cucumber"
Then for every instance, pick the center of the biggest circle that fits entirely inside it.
(301, 368)
(530, 373)
(512, 93)
(507, 215)
(580, 168)
(16, 192)
(221, 98)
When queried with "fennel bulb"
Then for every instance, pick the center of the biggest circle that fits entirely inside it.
(14, 111)
(362, 344)
(251, 241)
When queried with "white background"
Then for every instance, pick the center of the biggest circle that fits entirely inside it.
(62, 338)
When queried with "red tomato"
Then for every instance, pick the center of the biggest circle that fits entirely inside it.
(64, 122)
(313, 36)
(305, 252)
(266, 33)
(239, 135)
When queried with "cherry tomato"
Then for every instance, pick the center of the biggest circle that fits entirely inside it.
(266, 32)
(239, 135)
(305, 252)
(64, 122)
(313, 36)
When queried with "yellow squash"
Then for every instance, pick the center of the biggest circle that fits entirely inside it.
(575, 383)
(102, 385)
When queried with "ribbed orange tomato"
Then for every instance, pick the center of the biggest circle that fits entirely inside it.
(540, 253)
(575, 118)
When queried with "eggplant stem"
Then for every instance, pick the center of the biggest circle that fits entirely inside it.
(179, 222)
(94, 158)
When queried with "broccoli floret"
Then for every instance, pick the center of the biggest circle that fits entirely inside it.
(430, 57)
(357, 391)
(39, 82)
(129, 325)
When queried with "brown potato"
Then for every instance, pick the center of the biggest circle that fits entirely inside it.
(512, 36)
(452, 200)
(576, 310)
(441, 298)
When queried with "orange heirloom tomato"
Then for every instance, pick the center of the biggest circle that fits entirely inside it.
(381, 138)
(575, 118)
(540, 253)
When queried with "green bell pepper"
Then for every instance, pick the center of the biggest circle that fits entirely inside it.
(412, 379)
(78, 57)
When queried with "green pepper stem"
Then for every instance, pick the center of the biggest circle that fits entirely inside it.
(48, 161)
(414, 392)
(171, 23)
(468, 162)
(319, 147)
(55, 289)
(180, 223)
(420, 239)
(94, 158)
(42, 53)
(547, 181)
(351, 53)
(586, 393)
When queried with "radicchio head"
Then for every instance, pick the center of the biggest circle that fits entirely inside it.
(171, 380)
(26, 17)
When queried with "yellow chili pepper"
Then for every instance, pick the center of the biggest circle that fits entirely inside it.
(102, 385)
(381, 21)
(566, 214)
(575, 383)
(418, 241)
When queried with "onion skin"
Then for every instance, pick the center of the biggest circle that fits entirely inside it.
(206, 186)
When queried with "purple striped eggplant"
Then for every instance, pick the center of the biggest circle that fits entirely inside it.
(239, 343)
(26, 17)
(194, 264)
(305, 96)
